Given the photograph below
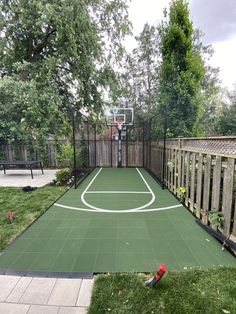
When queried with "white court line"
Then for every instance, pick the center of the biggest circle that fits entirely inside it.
(118, 211)
(82, 196)
(118, 192)
(126, 211)
(130, 210)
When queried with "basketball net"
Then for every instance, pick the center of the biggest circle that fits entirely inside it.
(119, 124)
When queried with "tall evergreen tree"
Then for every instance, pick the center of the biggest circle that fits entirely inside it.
(181, 73)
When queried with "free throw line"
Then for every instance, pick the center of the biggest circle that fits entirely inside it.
(127, 210)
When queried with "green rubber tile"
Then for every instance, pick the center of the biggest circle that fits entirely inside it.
(133, 233)
(90, 246)
(33, 233)
(35, 246)
(64, 262)
(8, 258)
(118, 201)
(61, 233)
(134, 246)
(136, 262)
(21, 244)
(43, 262)
(46, 233)
(118, 179)
(105, 262)
(99, 233)
(103, 222)
(24, 261)
(52, 246)
(85, 262)
(72, 245)
(78, 233)
(107, 246)
(68, 240)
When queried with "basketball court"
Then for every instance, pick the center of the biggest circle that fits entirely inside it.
(118, 219)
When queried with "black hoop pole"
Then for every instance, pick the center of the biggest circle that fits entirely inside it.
(95, 143)
(150, 143)
(143, 144)
(88, 154)
(111, 146)
(74, 146)
(127, 157)
(119, 149)
(164, 150)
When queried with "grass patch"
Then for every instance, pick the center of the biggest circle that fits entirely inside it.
(27, 206)
(190, 291)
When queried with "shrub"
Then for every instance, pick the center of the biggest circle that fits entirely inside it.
(63, 176)
(65, 156)
(216, 218)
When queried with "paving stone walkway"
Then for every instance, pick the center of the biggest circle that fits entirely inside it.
(33, 295)
(22, 177)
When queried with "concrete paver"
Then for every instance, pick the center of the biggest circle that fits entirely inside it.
(38, 291)
(22, 177)
(73, 310)
(85, 292)
(42, 309)
(12, 308)
(7, 283)
(65, 292)
(19, 289)
(27, 295)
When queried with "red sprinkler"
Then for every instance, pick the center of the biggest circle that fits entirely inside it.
(157, 276)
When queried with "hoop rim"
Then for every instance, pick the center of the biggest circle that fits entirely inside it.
(119, 124)
(113, 115)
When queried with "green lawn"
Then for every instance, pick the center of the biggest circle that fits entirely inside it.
(184, 292)
(26, 207)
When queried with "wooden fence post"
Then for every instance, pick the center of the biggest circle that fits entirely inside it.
(206, 191)
(193, 175)
(199, 185)
(216, 184)
(228, 195)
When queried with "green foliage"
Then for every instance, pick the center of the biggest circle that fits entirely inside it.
(181, 192)
(216, 218)
(181, 73)
(227, 121)
(65, 155)
(83, 153)
(213, 98)
(63, 176)
(53, 56)
(26, 207)
(191, 291)
(138, 80)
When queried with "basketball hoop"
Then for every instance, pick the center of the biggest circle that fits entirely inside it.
(119, 124)
(122, 119)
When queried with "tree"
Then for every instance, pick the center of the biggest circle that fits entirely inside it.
(227, 121)
(181, 73)
(138, 80)
(54, 58)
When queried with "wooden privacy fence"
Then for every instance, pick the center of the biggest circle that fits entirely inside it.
(106, 152)
(209, 178)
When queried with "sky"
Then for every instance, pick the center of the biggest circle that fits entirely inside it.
(215, 18)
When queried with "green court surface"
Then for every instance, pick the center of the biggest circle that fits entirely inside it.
(118, 219)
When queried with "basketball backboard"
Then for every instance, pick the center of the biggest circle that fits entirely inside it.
(120, 116)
